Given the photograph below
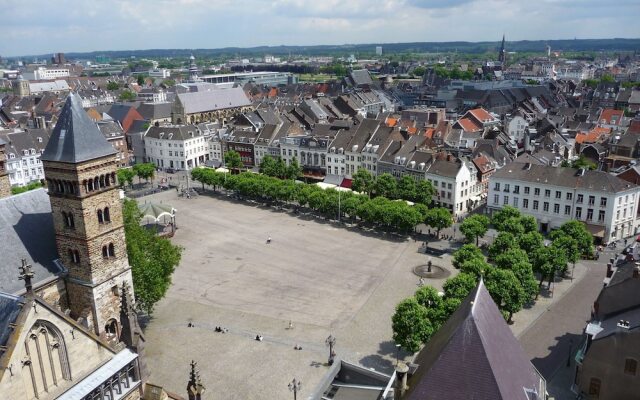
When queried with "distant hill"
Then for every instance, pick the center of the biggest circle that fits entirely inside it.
(417, 47)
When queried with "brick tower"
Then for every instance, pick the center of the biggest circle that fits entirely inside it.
(80, 170)
(5, 185)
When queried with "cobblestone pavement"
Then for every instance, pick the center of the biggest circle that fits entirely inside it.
(324, 278)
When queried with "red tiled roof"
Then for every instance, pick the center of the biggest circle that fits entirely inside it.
(391, 122)
(481, 115)
(412, 130)
(610, 116)
(468, 125)
(592, 136)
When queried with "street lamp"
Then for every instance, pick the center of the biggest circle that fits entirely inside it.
(331, 341)
(397, 354)
(294, 386)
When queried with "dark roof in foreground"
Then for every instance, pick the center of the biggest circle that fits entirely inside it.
(76, 137)
(26, 231)
(474, 355)
(10, 307)
(567, 177)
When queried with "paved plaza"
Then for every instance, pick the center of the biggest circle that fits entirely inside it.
(322, 277)
(325, 279)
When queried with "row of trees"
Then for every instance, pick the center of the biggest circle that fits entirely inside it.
(508, 270)
(144, 171)
(152, 258)
(387, 186)
(277, 168)
(381, 212)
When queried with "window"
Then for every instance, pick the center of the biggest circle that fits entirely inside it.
(449, 186)
(569, 196)
(567, 210)
(589, 214)
(496, 199)
(100, 217)
(618, 214)
(603, 201)
(68, 220)
(505, 201)
(594, 387)
(525, 203)
(601, 215)
(592, 200)
(516, 189)
(108, 251)
(536, 191)
(74, 256)
(580, 198)
(443, 184)
(535, 204)
(578, 212)
(556, 208)
(547, 193)
(545, 207)
(630, 366)
(526, 190)
(106, 215)
(558, 194)
(515, 202)
(506, 187)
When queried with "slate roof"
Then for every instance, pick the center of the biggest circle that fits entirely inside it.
(76, 137)
(361, 77)
(176, 132)
(566, 177)
(474, 355)
(218, 99)
(26, 231)
(10, 307)
(445, 168)
(155, 110)
(621, 293)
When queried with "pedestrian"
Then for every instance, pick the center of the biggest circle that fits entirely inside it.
(290, 324)
(269, 240)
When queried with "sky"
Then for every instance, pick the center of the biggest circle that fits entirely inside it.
(46, 26)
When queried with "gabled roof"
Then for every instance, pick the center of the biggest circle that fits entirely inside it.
(474, 355)
(218, 99)
(75, 137)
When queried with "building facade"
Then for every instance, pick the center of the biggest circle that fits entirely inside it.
(606, 204)
(23, 150)
(178, 147)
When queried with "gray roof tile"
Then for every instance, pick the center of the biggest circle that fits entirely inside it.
(76, 137)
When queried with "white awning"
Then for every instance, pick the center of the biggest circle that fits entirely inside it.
(99, 376)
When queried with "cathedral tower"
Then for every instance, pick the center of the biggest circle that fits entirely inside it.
(80, 170)
(21, 87)
(5, 185)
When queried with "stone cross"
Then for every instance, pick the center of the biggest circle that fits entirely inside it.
(26, 274)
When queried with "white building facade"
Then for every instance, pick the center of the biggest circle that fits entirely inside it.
(181, 147)
(606, 204)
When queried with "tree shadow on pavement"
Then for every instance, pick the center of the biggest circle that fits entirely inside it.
(560, 355)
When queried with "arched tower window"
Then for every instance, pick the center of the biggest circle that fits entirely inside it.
(107, 215)
(112, 250)
(45, 361)
(105, 252)
(74, 256)
(100, 217)
(96, 183)
(108, 251)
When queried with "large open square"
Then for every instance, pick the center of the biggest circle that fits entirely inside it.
(323, 278)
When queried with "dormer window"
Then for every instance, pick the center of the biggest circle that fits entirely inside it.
(33, 151)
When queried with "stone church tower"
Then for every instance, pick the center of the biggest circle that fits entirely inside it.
(80, 170)
(5, 185)
(21, 87)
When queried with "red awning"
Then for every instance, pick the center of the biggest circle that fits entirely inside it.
(346, 183)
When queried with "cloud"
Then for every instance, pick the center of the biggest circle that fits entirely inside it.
(37, 27)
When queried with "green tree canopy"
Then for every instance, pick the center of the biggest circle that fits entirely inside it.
(125, 176)
(503, 242)
(474, 227)
(386, 185)
(578, 231)
(407, 189)
(145, 171)
(500, 217)
(293, 170)
(127, 95)
(233, 161)
(459, 286)
(424, 192)
(411, 325)
(506, 291)
(530, 241)
(113, 85)
(362, 181)
(465, 253)
(438, 218)
(476, 266)
(152, 258)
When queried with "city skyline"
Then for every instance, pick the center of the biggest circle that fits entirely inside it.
(73, 26)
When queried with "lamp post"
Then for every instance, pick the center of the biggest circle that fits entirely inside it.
(397, 354)
(294, 386)
(331, 341)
